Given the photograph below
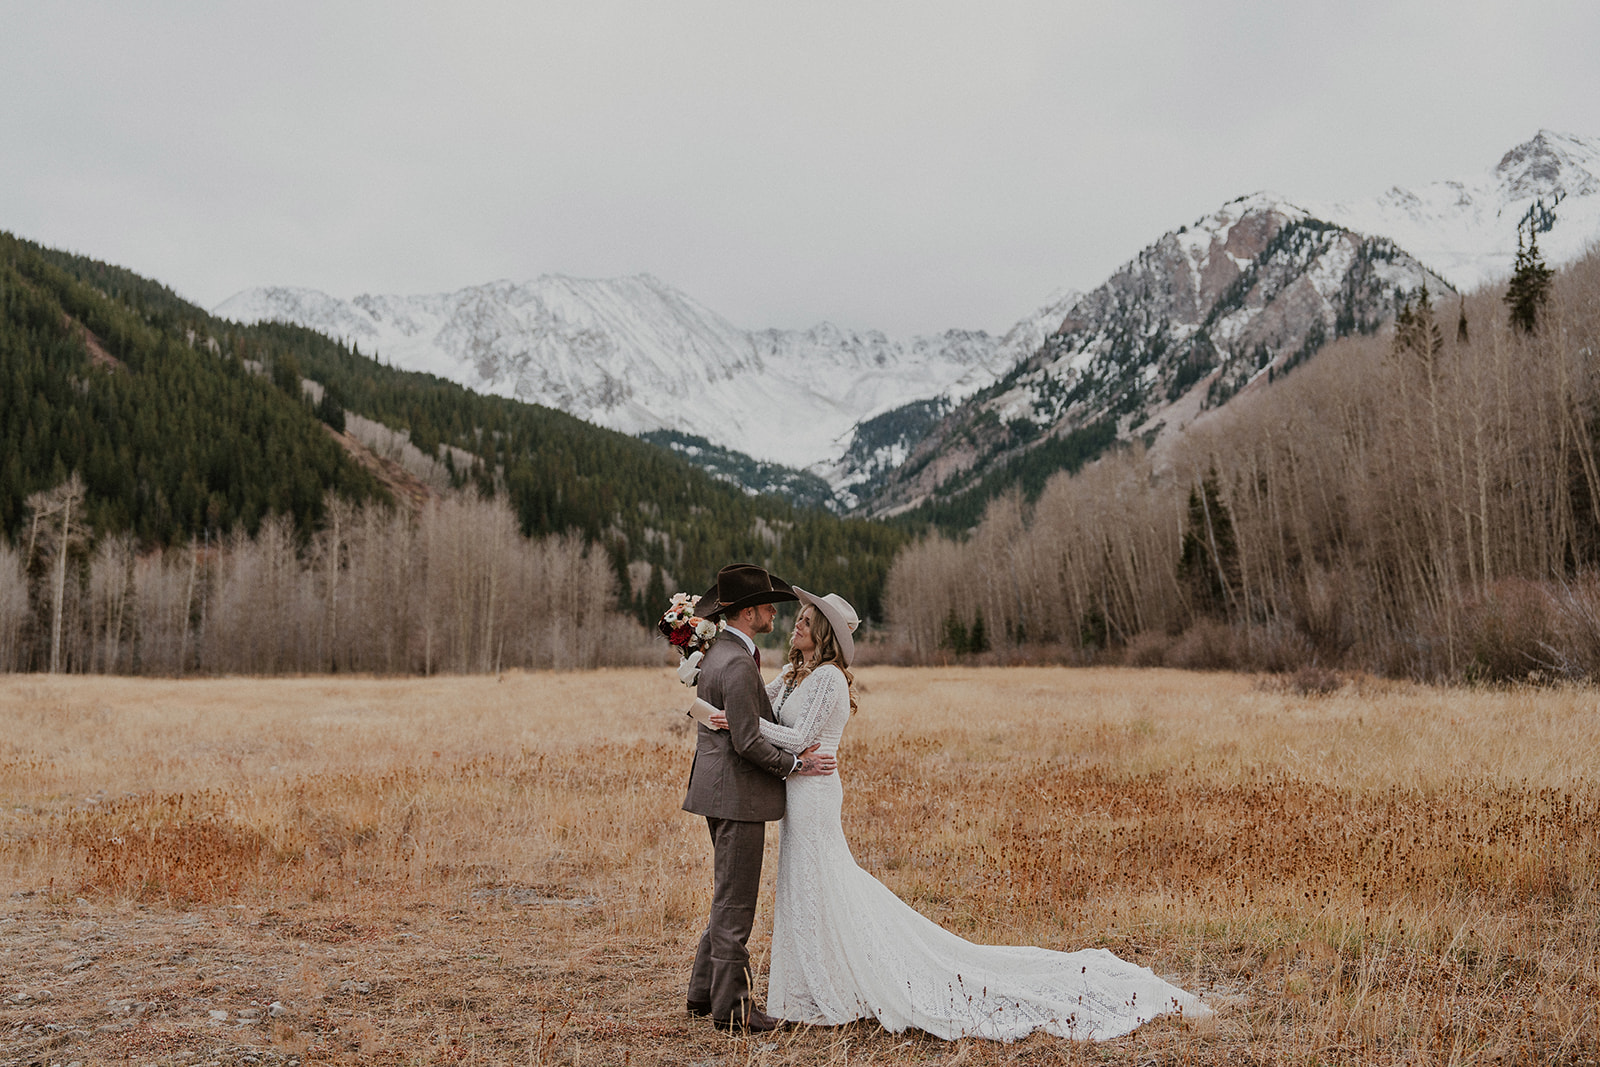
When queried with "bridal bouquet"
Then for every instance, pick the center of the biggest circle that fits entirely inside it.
(688, 633)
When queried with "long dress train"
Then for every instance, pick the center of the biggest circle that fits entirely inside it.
(845, 947)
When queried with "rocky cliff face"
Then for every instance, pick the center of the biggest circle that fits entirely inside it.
(1203, 313)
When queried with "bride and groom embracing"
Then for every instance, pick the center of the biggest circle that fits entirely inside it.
(844, 947)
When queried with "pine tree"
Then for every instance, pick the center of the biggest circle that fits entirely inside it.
(1461, 324)
(1208, 565)
(655, 598)
(978, 637)
(1416, 331)
(57, 529)
(1529, 287)
(286, 374)
(1094, 629)
(955, 633)
(330, 411)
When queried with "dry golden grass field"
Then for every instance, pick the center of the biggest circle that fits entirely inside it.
(496, 870)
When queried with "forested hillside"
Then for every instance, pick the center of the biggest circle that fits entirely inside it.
(642, 502)
(185, 429)
(170, 440)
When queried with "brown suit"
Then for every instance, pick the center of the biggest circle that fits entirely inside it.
(737, 784)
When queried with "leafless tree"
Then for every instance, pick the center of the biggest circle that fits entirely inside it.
(56, 528)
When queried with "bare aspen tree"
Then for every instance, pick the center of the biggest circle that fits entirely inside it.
(456, 587)
(13, 607)
(1378, 496)
(56, 527)
(330, 555)
(924, 584)
(186, 606)
(111, 589)
(162, 580)
(263, 616)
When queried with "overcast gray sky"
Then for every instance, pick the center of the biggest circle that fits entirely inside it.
(907, 166)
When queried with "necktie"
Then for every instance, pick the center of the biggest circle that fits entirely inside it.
(758, 659)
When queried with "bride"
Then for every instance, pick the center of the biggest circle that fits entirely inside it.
(845, 947)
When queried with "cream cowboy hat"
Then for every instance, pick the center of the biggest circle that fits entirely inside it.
(840, 615)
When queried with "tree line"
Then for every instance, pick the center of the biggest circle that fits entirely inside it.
(454, 588)
(1424, 502)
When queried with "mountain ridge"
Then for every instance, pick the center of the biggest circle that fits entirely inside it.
(1196, 317)
(1466, 228)
(854, 406)
(198, 428)
(636, 355)
(1544, 188)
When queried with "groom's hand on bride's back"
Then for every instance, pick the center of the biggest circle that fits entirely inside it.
(814, 763)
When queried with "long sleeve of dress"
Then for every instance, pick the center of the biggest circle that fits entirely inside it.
(807, 710)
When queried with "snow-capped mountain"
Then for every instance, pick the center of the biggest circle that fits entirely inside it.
(637, 355)
(1208, 310)
(1249, 291)
(1467, 229)
(1198, 316)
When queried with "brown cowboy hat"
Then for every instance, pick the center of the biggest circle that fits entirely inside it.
(739, 586)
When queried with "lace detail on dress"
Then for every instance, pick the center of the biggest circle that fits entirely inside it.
(805, 712)
(844, 947)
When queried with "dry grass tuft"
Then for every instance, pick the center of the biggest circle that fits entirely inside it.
(483, 870)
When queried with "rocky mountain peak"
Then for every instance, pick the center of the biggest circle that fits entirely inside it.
(1549, 165)
(1200, 315)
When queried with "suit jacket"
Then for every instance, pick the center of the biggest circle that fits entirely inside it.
(737, 773)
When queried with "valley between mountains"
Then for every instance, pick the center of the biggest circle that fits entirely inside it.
(871, 424)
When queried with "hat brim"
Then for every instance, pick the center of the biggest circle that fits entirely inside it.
(836, 622)
(779, 593)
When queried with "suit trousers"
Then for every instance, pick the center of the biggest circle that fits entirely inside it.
(721, 976)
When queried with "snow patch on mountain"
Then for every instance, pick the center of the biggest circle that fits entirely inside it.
(636, 355)
(884, 439)
(1466, 229)
(1194, 319)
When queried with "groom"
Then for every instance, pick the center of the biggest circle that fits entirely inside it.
(737, 784)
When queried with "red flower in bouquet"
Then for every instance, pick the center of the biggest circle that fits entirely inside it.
(683, 629)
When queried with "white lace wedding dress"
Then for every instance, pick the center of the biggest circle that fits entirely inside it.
(845, 947)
